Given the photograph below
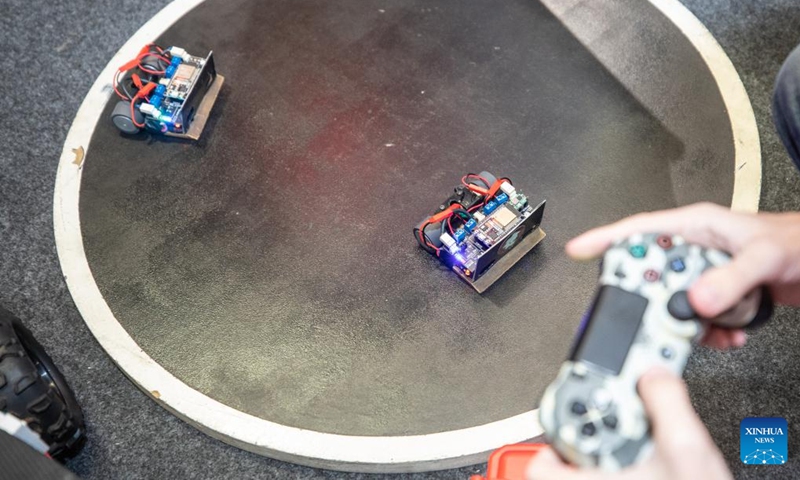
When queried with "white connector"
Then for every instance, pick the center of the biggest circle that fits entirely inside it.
(508, 189)
(164, 81)
(448, 241)
(147, 109)
(179, 52)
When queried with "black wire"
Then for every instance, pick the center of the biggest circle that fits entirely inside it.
(121, 85)
(464, 212)
(159, 63)
(425, 236)
(124, 87)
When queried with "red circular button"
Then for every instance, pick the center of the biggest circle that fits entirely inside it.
(651, 275)
(664, 241)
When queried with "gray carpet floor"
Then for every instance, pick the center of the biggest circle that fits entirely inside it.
(51, 54)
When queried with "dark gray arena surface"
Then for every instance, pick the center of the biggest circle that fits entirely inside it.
(271, 265)
(131, 437)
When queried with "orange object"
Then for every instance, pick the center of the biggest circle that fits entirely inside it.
(129, 65)
(494, 188)
(510, 462)
(145, 91)
(477, 189)
(444, 213)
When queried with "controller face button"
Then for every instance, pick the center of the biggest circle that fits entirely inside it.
(678, 306)
(577, 374)
(638, 251)
(664, 241)
(601, 399)
(589, 429)
(677, 265)
(651, 276)
(666, 352)
(610, 421)
(578, 408)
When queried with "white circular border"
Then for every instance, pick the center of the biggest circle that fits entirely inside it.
(339, 452)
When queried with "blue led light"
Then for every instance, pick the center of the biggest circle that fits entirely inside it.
(460, 258)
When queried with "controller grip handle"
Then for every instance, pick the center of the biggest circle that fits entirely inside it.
(766, 308)
(763, 313)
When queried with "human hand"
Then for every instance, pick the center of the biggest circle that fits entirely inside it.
(765, 249)
(683, 446)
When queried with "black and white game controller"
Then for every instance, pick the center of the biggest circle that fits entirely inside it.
(640, 318)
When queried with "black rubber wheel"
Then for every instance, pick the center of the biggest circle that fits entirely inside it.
(33, 389)
(121, 117)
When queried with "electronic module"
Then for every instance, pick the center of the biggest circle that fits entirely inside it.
(483, 229)
(165, 91)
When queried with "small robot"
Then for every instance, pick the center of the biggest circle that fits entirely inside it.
(165, 91)
(483, 229)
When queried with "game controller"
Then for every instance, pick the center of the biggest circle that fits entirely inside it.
(640, 318)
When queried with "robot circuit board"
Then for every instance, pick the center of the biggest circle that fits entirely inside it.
(483, 229)
(165, 91)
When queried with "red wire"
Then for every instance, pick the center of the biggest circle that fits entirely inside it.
(133, 113)
(116, 82)
(450, 216)
(422, 239)
(464, 180)
(160, 56)
(151, 54)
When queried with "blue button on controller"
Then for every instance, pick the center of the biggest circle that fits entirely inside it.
(677, 265)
